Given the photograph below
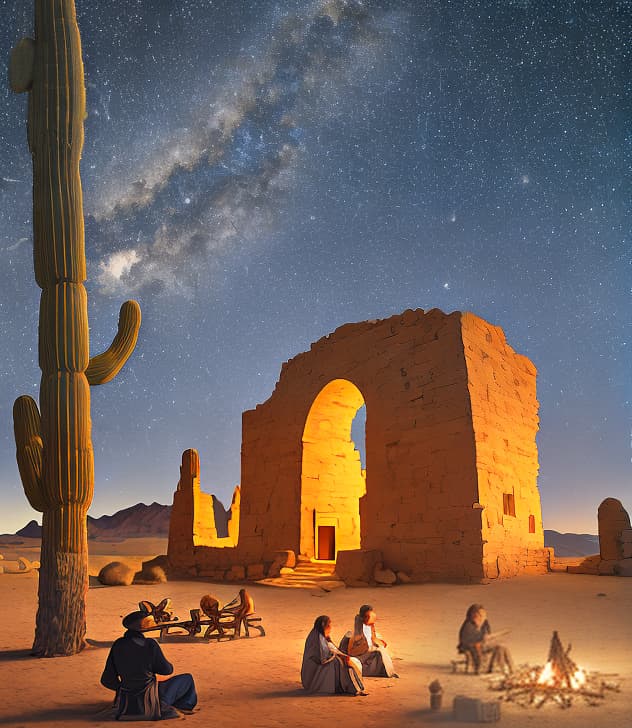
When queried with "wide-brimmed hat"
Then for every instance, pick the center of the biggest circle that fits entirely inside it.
(138, 620)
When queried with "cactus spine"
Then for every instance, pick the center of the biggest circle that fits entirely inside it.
(54, 451)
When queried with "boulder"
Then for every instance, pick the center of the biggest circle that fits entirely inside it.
(285, 558)
(116, 573)
(150, 575)
(282, 560)
(613, 520)
(162, 561)
(19, 566)
(357, 565)
(403, 578)
(382, 575)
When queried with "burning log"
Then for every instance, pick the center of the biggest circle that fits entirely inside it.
(559, 681)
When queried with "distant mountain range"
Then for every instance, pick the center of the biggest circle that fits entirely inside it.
(153, 520)
(134, 522)
(572, 544)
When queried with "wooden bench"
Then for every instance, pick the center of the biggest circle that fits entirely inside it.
(220, 622)
(228, 620)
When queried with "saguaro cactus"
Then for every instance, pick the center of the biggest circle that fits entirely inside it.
(54, 451)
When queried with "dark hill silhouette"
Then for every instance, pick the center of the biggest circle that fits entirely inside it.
(133, 522)
(31, 530)
(572, 544)
(153, 520)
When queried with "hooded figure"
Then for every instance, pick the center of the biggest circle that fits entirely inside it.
(325, 669)
(131, 669)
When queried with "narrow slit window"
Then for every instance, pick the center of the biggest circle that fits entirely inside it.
(509, 504)
(531, 524)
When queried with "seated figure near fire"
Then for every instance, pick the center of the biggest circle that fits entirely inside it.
(367, 645)
(477, 640)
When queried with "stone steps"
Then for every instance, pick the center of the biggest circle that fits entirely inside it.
(307, 575)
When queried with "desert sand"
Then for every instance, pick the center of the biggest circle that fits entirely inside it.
(256, 681)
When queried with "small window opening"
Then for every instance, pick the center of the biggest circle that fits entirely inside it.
(509, 504)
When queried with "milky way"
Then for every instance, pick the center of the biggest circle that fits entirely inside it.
(256, 174)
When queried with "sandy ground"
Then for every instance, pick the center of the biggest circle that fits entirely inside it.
(257, 681)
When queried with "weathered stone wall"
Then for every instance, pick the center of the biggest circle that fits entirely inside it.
(502, 387)
(448, 433)
(192, 521)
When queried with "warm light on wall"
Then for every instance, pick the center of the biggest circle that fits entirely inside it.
(332, 479)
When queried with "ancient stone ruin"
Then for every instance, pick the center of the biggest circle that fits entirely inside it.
(449, 491)
(615, 543)
(200, 518)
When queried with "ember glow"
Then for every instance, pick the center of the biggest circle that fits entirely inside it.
(549, 676)
(560, 681)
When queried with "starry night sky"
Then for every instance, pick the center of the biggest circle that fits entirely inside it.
(259, 173)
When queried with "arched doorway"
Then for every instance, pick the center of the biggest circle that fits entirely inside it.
(332, 479)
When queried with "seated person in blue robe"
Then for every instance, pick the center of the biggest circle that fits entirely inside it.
(131, 669)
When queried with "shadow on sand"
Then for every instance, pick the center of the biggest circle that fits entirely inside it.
(99, 644)
(12, 655)
(83, 712)
(296, 693)
(430, 717)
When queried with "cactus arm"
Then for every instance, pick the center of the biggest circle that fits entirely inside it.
(28, 440)
(104, 367)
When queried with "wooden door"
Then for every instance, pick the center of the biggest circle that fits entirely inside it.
(326, 543)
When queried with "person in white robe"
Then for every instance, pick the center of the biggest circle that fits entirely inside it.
(368, 646)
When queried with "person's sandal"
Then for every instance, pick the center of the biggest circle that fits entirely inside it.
(169, 713)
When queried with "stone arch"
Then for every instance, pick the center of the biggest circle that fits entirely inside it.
(332, 479)
(451, 421)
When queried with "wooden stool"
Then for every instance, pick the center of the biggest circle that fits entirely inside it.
(463, 662)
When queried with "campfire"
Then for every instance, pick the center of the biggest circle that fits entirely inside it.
(560, 681)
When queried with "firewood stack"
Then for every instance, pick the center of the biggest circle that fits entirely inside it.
(560, 681)
(563, 669)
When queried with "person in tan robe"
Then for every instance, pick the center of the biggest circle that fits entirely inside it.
(368, 646)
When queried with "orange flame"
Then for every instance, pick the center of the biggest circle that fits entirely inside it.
(550, 677)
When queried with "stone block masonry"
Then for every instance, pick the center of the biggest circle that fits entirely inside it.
(449, 490)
